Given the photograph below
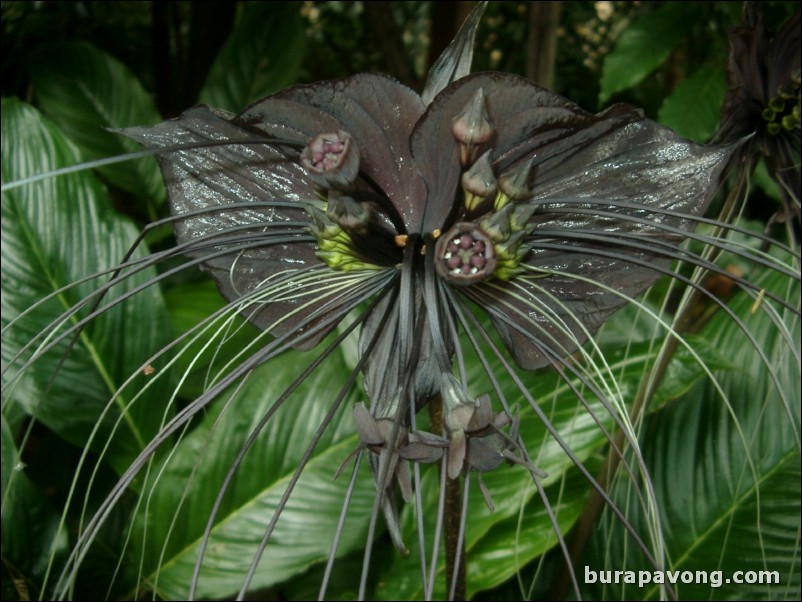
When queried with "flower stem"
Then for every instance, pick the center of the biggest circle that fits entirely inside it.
(455, 557)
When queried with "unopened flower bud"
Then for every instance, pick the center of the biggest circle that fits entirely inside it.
(514, 184)
(472, 128)
(479, 183)
(349, 214)
(497, 225)
(520, 216)
(508, 250)
(322, 225)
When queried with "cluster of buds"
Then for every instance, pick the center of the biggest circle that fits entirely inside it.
(782, 113)
(494, 244)
(331, 161)
(334, 230)
(474, 132)
(508, 229)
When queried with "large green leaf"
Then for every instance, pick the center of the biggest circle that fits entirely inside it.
(30, 523)
(86, 91)
(514, 542)
(727, 479)
(168, 535)
(644, 45)
(685, 371)
(694, 107)
(189, 304)
(498, 544)
(261, 56)
(54, 232)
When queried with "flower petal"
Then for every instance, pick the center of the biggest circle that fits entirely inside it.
(386, 371)
(377, 111)
(524, 116)
(220, 163)
(205, 180)
(601, 216)
(455, 62)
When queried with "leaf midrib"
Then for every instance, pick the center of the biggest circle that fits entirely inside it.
(737, 504)
(38, 252)
(152, 578)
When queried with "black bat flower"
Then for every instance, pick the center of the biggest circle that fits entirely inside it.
(496, 190)
(487, 225)
(763, 101)
(241, 178)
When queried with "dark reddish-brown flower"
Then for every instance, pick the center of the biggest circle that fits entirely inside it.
(486, 187)
(763, 101)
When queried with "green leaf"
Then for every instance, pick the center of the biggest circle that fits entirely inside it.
(764, 181)
(693, 108)
(86, 92)
(167, 534)
(55, 232)
(496, 559)
(262, 55)
(498, 546)
(188, 305)
(29, 521)
(726, 475)
(684, 370)
(644, 45)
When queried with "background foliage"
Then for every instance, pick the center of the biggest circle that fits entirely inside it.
(725, 462)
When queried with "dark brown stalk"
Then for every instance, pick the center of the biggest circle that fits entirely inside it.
(541, 55)
(389, 38)
(455, 558)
